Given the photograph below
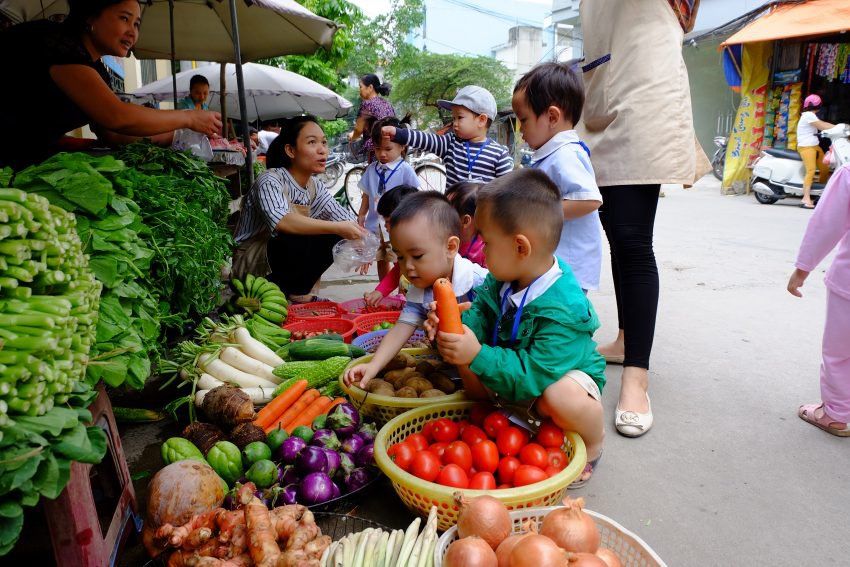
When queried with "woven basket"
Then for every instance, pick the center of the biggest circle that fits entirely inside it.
(629, 548)
(384, 408)
(370, 341)
(419, 495)
(353, 308)
(364, 323)
(315, 310)
(338, 326)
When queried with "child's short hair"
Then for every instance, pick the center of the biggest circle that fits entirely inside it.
(553, 84)
(390, 200)
(523, 200)
(463, 196)
(375, 132)
(435, 206)
(198, 80)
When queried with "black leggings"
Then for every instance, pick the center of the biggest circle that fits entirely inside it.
(297, 261)
(628, 216)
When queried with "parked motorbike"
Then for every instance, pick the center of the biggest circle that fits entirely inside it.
(718, 160)
(778, 174)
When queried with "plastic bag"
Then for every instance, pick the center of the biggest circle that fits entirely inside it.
(197, 143)
(350, 255)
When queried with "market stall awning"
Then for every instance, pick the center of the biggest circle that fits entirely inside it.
(791, 20)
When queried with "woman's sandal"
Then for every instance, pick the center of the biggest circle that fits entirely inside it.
(587, 473)
(614, 358)
(808, 413)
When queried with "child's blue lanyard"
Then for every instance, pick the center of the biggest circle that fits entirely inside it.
(517, 316)
(470, 161)
(383, 182)
(537, 163)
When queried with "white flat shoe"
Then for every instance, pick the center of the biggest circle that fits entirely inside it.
(632, 423)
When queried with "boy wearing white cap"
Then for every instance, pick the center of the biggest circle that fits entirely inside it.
(466, 151)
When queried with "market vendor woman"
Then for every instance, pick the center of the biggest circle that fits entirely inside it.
(290, 221)
(56, 83)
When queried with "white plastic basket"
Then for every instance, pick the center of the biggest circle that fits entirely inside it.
(629, 548)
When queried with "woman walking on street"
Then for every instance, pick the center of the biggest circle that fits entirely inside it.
(373, 108)
(808, 146)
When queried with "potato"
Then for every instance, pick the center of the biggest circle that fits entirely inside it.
(385, 389)
(418, 383)
(406, 392)
(397, 362)
(377, 384)
(432, 393)
(396, 377)
(442, 382)
(446, 368)
(426, 367)
(409, 360)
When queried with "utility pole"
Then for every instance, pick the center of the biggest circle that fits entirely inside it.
(425, 26)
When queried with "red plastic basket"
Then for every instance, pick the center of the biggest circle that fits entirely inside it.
(315, 310)
(338, 326)
(364, 323)
(354, 308)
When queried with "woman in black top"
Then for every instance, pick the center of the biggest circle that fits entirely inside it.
(58, 84)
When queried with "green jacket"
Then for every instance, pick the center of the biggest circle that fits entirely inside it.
(555, 336)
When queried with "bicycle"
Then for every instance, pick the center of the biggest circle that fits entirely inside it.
(431, 173)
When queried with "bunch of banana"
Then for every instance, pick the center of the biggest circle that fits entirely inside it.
(262, 298)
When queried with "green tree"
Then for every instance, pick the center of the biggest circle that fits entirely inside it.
(382, 41)
(433, 76)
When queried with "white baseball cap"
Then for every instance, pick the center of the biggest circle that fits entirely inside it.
(477, 99)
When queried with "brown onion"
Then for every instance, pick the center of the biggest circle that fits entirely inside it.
(483, 516)
(585, 560)
(571, 528)
(538, 551)
(503, 552)
(609, 557)
(470, 552)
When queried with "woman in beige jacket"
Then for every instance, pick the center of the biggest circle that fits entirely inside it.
(639, 126)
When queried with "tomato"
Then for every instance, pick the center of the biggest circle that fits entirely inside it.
(551, 471)
(482, 481)
(428, 428)
(511, 440)
(458, 453)
(462, 425)
(557, 458)
(485, 456)
(478, 412)
(507, 468)
(445, 430)
(494, 423)
(550, 435)
(402, 455)
(472, 435)
(501, 486)
(438, 449)
(453, 475)
(534, 454)
(426, 465)
(417, 441)
(528, 474)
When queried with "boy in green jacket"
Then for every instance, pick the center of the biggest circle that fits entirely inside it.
(528, 335)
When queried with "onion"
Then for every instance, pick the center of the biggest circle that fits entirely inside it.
(608, 557)
(585, 560)
(571, 528)
(470, 552)
(538, 551)
(482, 516)
(503, 552)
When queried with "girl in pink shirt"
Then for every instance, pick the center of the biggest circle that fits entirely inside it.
(464, 198)
(828, 227)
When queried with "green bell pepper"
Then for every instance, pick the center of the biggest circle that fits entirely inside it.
(226, 459)
(179, 449)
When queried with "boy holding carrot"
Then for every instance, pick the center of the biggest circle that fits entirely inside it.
(527, 337)
(425, 234)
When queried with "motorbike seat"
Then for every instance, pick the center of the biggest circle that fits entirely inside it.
(785, 154)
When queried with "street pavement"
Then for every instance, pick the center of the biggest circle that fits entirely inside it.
(729, 475)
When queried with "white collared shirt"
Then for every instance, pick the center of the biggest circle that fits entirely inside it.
(371, 182)
(538, 288)
(466, 276)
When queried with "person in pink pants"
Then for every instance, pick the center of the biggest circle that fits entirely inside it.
(828, 227)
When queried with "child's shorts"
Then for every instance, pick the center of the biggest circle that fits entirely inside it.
(526, 411)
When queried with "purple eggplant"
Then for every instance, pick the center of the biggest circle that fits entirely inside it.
(344, 420)
(337, 492)
(325, 438)
(290, 449)
(353, 444)
(346, 464)
(262, 497)
(290, 494)
(286, 475)
(356, 479)
(312, 460)
(315, 488)
(368, 431)
(365, 457)
(334, 462)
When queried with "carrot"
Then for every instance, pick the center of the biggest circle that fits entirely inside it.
(314, 410)
(335, 403)
(292, 412)
(280, 404)
(447, 309)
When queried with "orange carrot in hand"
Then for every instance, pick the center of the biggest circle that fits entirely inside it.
(280, 404)
(294, 410)
(447, 309)
(315, 409)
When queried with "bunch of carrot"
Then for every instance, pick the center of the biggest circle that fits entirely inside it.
(294, 407)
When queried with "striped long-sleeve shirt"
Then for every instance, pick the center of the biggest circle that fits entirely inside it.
(464, 161)
(271, 197)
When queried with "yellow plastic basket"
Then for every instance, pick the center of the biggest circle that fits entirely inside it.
(384, 408)
(419, 495)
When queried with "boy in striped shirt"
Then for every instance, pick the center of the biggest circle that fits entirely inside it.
(466, 151)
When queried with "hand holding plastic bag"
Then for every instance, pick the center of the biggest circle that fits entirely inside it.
(197, 143)
(350, 255)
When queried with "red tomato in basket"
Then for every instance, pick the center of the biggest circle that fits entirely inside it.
(551, 471)
(462, 425)
(507, 468)
(528, 474)
(485, 456)
(472, 435)
(478, 412)
(482, 481)
(503, 486)
(453, 475)
(402, 455)
(428, 429)
(494, 423)
(511, 440)
(438, 449)
(550, 435)
(458, 453)
(557, 458)
(417, 441)
(426, 465)
(534, 454)
(445, 430)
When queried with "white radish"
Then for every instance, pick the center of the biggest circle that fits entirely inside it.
(397, 540)
(361, 547)
(258, 395)
(371, 548)
(241, 361)
(430, 534)
(324, 559)
(220, 370)
(255, 349)
(207, 382)
(408, 542)
(382, 549)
